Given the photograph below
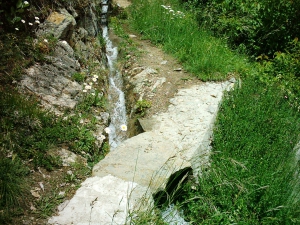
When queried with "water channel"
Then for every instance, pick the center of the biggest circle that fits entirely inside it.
(116, 96)
(116, 100)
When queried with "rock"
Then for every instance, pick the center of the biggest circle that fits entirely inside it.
(92, 205)
(158, 83)
(178, 69)
(69, 157)
(59, 24)
(52, 81)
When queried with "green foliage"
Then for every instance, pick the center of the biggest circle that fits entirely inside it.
(79, 77)
(12, 10)
(179, 34)
(262, 27)
(252, 175)
(91, 100)
(283, 70)
(12, 182)
(141, 106)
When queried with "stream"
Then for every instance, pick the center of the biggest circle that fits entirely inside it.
(116, 98)
(117, 109)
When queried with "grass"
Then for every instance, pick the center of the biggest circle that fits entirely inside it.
(200, 53)
(253, 173)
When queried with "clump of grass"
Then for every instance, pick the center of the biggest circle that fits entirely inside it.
(12, 182)
(177, 31)
(252, 176)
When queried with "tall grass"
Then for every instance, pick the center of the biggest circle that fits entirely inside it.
(200, 53)
(252, 176)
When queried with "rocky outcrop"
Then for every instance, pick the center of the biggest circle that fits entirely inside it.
(53, 79)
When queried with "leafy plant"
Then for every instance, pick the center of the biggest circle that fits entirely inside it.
(141, 106)
(78, 77)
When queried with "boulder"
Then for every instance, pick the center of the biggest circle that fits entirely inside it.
(59, 24)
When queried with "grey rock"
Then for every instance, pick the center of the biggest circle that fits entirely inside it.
(59, 24)
(52, 81)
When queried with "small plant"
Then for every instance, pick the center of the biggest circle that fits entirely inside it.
(78, 77)
(141, 106)
(12, 182)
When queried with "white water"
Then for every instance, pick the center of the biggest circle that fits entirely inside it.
(116, 97)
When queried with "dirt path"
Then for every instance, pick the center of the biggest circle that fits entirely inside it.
(169, 76)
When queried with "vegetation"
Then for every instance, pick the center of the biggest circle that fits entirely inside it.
(253, 174)
(178, 33)
(30, 136)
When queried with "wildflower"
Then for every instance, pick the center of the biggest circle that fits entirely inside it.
(96, 76)
(23, 21)
(26, 3)
(38, 22)
(107, 130)
(45, 40)
(93, 94)
(94, 79)
(123, 127)
(16, 28)
(36, 18)
(84, 90)
(88, 87)
(30, 24)
(91, 83)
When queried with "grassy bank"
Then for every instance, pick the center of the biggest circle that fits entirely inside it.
(252, 176)
(178, 33)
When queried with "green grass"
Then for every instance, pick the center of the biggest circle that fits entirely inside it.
(253, 173)
(200, 53)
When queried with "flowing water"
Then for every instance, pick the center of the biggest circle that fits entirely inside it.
(116, 97)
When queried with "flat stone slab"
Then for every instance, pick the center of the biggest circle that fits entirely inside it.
(101, 200)
(141, 159)
(179, 138)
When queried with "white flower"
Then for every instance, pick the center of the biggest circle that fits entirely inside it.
(88, 87)
(123, 127)
(36, 18)
(23, 21)
(91, 83)
(26, 3)
(16, 28)
(93, 94)
(94, 79)
(45, 40)
(96, 76)
(30, 24)
(84, 90)
(107, 130)
(38, 22)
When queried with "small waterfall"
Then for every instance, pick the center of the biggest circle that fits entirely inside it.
(116, 96)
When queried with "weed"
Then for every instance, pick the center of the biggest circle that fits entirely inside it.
(141, 106)
(12, 182)
(78, 77)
